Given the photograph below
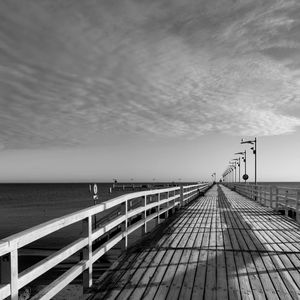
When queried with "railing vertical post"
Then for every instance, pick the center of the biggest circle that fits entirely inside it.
(87, 254)
(265, 197)
(286, 211)
(271, 197)
(124, 210)
(181, 196)
(145, 214)
(168, 204)
(14, 274)
(260, 195)
(174, 202)
(276, 198)
(297, 207)
(10, 272)
(158, 208)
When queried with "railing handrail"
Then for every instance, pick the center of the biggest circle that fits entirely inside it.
(265, 185)
(12, 243)
(30, 235)
(277, 197)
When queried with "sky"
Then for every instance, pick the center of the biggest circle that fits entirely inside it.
(148, 90)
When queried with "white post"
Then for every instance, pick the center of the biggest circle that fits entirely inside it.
(286, 211)
(276, 198)
(158, 208)
(124, 210)
(87, 254)
(145, 214)
(260, 195)
(168, 204)
(14, 274)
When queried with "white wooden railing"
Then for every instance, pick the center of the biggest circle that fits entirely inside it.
(146, 202)
(276, 197)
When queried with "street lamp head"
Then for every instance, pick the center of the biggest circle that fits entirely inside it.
(240, 153)
(247, 142)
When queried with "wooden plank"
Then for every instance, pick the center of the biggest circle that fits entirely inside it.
(188, 281)
(147, 276)
(279, 285)
(245, 287)
(211, 276)
(232, 277)
(222, 284)
(135, 275)
(177, 282)
(114, 291)
(256, 286)
(199, 282)
(158, 275)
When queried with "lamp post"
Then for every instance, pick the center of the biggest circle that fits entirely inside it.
(233, 164)
(254, 149)
(244, 160)
(238, 161)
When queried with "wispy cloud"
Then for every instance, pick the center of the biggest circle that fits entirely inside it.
(72, 70)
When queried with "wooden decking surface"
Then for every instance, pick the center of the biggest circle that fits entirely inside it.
(222, 246)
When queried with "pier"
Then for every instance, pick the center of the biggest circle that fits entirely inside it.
(222, 246)
(220, 242)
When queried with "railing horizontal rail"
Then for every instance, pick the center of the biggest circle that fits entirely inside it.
(160, 200)
(276, 197)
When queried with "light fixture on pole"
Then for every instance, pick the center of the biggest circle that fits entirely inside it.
(233, 164)
(238, 161)
(254, 149)
(245, 176)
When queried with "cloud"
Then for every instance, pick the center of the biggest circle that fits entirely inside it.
(70, 71)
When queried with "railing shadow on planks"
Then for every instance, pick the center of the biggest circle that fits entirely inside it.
(149, 205)
(284, 199)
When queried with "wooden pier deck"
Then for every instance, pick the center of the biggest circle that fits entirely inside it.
(222, 246)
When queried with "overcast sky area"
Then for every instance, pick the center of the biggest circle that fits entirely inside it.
(164, 89)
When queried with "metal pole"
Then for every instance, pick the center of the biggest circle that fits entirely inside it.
(245, 163)
(255, 160)
(239, 169)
